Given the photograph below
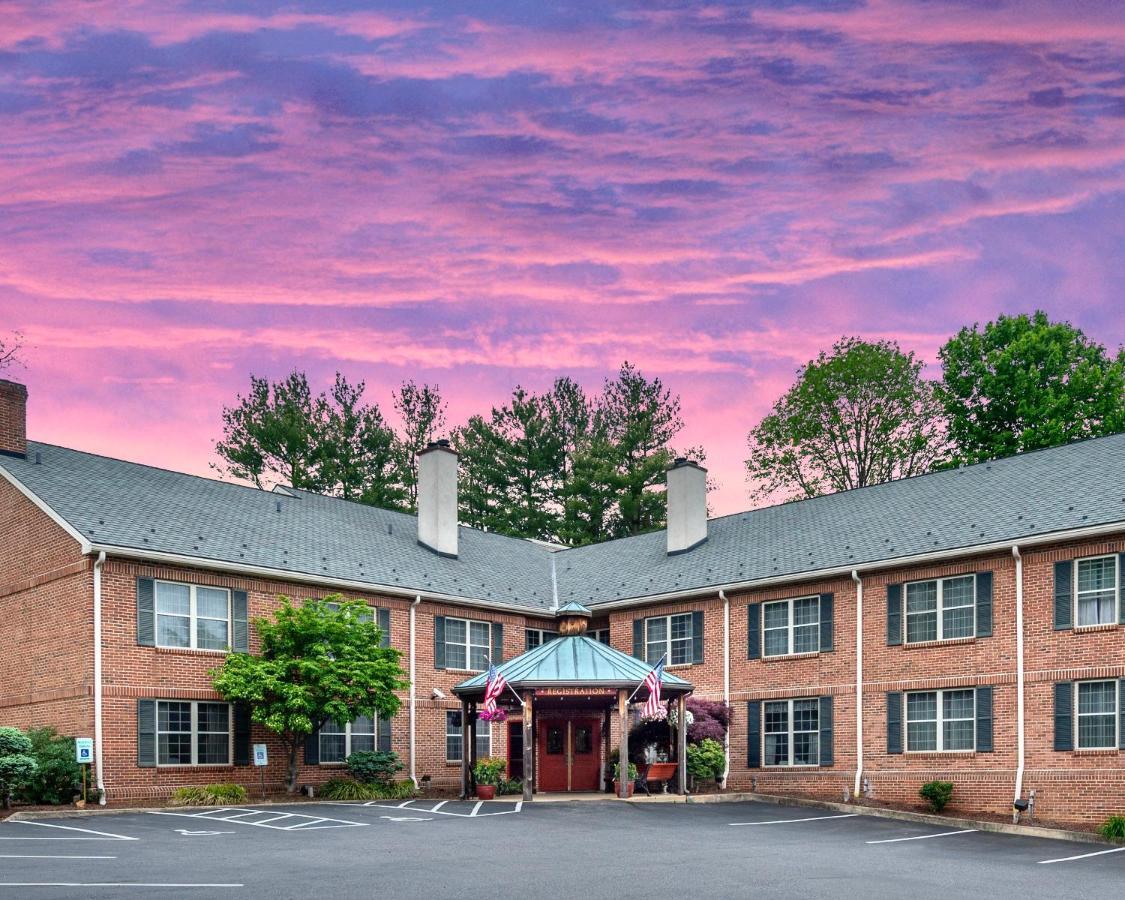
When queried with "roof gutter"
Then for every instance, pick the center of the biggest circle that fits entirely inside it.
(869, 567)
(202, 562)
(99, 564)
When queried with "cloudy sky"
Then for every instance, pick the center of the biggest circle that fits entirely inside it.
(485, 194)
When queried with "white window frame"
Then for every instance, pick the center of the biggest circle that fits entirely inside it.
(484, 735)
(939, 721)
(544, 635)
(790, 633)
(193, 617)
(1078, 716)
(790, 733)
(1116, 617)
(940, 610)
(665, 646)
(347, 732)
(467, 645)
(195, 735)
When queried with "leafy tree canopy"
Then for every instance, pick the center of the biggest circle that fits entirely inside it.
(319, 660)
(859, 414)
(1023, 383)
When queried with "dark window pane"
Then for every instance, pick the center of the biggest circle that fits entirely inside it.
(555, 739)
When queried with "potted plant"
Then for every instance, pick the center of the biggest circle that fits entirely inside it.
(488, 773)
(617, 779)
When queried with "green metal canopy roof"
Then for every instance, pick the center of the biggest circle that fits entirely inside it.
(573, 608)
(576, 661)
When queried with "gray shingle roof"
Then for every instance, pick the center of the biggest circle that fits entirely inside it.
(124, 504)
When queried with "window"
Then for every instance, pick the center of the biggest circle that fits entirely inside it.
(1096, 589)
(338, 742)
(453, 737)
(792, 736)
(192, 616)
(791, 626)
(601, 635)
(467, 644)
(537, 637)
(941, 721)
(192, 733)
(1097, 715)
(367, 615)
(669, 636)
(941, 610)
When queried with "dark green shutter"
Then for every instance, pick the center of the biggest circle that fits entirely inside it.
(312, 749)
(826, 613)
(1121, 601)
(697, 638)
(526, 639)
(639, 638)
(146, 732)
(1121, 714)
(146, 612)
(894, 615)
(984, 720)
(241, 714)
(984, 604)
(383, 620)
(1064, 715)
(384, 739)
(894, 722)
(497, 644)
(239, 613)
(754, 734)
(826, 731)
(754, 631)
(1064, 605)
(439, 642)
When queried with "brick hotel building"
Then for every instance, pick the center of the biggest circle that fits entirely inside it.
(966, 625)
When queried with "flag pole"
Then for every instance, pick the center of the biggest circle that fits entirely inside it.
(519, 699)
(642, 684)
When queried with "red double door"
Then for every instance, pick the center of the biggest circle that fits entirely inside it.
(570, 754)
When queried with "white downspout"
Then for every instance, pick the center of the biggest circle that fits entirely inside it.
(413, 772)
(1019, 671)
(858, 683)
(726, 682)
(98, 564)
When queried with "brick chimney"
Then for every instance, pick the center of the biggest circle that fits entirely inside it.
(437, 498)
(13, 418)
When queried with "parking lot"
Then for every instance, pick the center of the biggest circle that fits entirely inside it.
(508, 849)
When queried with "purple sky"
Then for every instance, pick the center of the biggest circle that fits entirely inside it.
(490, 194)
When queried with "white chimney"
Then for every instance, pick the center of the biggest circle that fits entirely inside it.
(687, 506)
(437, 498)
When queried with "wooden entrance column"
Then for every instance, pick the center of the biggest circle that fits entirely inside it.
(623, 755)
(528, 746)
(465, 737)
(681, 743)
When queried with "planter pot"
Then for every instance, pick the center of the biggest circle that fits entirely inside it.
(486, 791)
(617, 789)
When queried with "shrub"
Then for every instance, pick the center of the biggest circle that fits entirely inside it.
(17, 766)
(707, 759)
(509, 786)
(710, 720)
(489, 770)
(937, 794)
(58, 777)
(209, 795)
(350, 789)
(632, 772)
(14, 742)
(1113, 829)
(374, 766)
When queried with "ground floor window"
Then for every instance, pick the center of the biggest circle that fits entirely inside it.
(1097, 715)
(940, 721)
(193, 733)
(453, 740)
(792, 732)
(339, 741)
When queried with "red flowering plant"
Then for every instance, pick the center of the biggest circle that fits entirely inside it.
(496, 715)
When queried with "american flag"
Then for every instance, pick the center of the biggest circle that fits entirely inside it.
(495, 687)
(652, 682)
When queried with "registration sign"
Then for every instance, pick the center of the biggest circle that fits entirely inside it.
(84, 750)
(261, 757)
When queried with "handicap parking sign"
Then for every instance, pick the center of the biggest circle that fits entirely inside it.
(84, 750)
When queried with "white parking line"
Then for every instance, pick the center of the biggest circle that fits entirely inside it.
(441, 803)
(923, 837)
(307, 823)
(48, 856)
(476, 808)
(103, 834)
(1047, 862)
(115, 884)
(787, 821)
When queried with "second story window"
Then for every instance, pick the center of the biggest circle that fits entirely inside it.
(791, 626)
(537, 637)
(671, 637)
(941, 609)
(189, 615)
(1096, 590)
(467, 644)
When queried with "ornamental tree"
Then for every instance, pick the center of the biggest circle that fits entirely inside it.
(319, 660)
(17, 767)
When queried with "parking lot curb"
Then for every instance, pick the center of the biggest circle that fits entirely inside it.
(1056, 834)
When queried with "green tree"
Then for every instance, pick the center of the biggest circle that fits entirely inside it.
(422, 413)
(861, 414)
(1023, 383)
(58, 777)
(17, 767)
(319, 660)
(355, 450)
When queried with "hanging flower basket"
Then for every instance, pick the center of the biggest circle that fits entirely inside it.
(659, 716)
(497, 715)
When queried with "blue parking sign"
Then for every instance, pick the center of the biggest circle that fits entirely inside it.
(84, 750)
